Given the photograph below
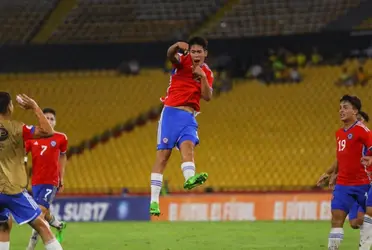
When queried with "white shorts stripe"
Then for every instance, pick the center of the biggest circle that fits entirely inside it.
(30, 200)
(159, 127)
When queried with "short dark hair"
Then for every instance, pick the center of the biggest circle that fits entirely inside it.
(353, 100)
(5, 100)
(49, 111)
(364, 115)
(197, 40)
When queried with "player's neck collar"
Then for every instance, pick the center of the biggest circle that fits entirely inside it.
(345, 130)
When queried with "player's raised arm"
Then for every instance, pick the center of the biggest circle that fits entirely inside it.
(206, 80)
(62, 163)
(44, 129)
(172, 52)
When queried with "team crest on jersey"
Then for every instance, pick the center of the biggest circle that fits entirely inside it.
(165, 140)
(350, 136)
(53, 143)
(3, 134)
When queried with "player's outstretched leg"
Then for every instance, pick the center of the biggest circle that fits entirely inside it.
(192, 180)
(41, 226)
(162, 157)
(60, 226)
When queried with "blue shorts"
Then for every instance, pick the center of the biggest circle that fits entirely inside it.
(355, 209)
(44, 194)
(344, 197)
(23, 208)
(176, 126)
(369, 199)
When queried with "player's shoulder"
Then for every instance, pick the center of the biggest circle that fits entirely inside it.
(360, 127)
(207, 69)
(15, 123)
(13, 127)
(184, 59)
(60, 135)
(205, 66)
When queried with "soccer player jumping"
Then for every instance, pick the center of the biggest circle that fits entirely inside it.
(14, 198)
(353, 182)
(48, 167)
(191, 80)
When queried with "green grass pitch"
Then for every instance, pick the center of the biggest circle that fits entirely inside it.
(193, 235)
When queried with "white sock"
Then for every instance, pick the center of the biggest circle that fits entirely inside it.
(4, 245)
(365, 242)
(53, 245)
(33, 240)
(54, 222)
(335, 237)
(156, 183)
(188, 169)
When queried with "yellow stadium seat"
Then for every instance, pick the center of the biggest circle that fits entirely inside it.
(88, 104)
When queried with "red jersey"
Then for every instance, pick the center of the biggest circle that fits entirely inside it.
(28, 132)
(45, 158)
(183, 89)
(351, 145)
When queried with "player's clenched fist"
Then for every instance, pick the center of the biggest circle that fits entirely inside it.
(322, 179)
(332, 181)
(197, 70)
(366, 160)
(183, 46)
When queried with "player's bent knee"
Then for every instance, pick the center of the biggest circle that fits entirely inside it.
(5, 231)
(42, 227)
(44, 210)
(39, 224)
(5, 227)
(47, 215)
(10, 223)
(354, 224)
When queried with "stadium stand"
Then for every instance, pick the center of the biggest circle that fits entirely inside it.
(91, 102)
(288, 139)
(365, 25)
(21, 19)
(278, 17)
(118, 21)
